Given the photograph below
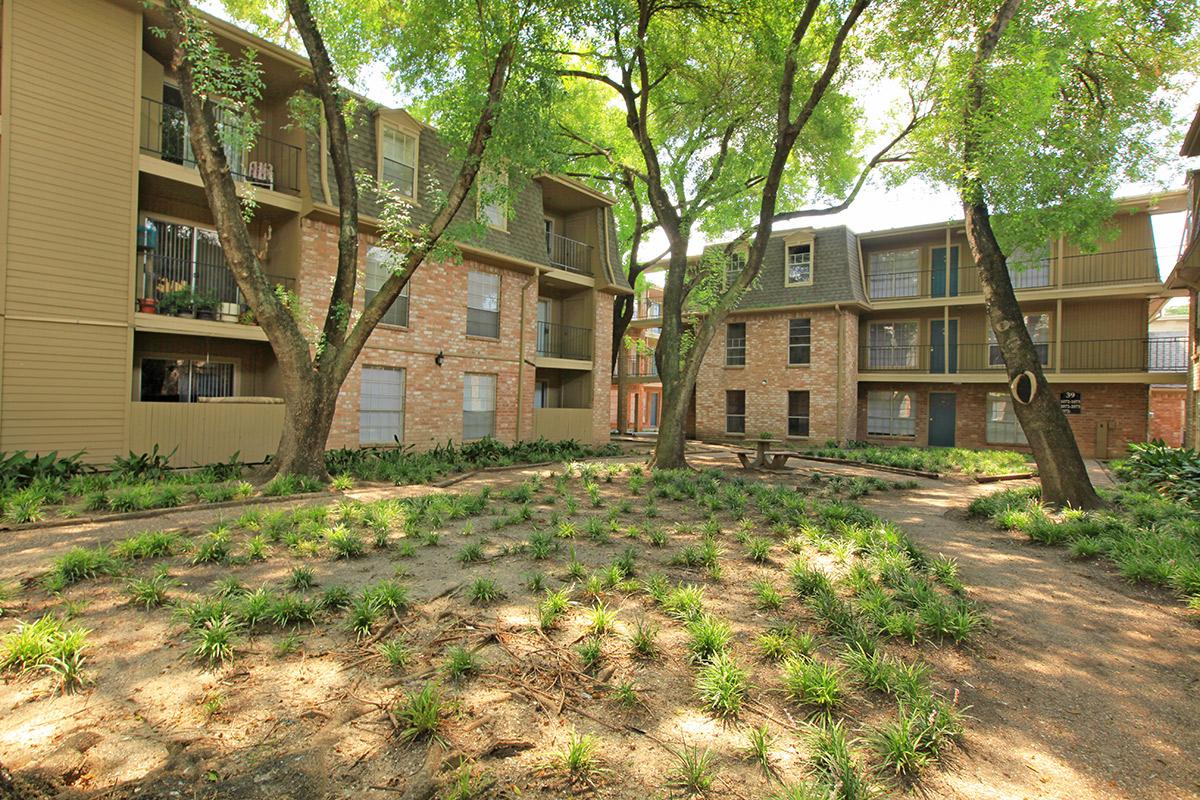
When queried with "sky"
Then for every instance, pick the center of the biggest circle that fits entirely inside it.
(915, 203)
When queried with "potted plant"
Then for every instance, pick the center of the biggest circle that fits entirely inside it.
(205, 304)
(176, 302)
(147, 305)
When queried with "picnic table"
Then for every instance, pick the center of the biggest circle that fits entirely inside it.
(762, 458)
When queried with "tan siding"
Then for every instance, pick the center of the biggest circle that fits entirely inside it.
(71, 169)
(206, 432)
(64, 388)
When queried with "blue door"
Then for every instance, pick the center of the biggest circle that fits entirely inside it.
(942, 414)
(937, 346)
(943, 281)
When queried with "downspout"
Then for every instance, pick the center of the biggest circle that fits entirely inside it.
(837, 395)
(521, 357)
(325, 162)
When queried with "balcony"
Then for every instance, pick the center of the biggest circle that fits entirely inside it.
(200, 288)
(1167, 354)
(569, 254)
(639, 366)
(265, 162)
(644, 308)
(564, 341)
(1081, 271)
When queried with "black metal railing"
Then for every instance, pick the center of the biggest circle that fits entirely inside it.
(195, 288)
(1160, 354)
(1117, 266)
(564, 341)
(644, 308)
(569, 254)
(260, 160)
(641, 365)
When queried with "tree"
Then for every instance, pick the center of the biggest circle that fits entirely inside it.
(482, 73)
(729, 111)
(1045, 110)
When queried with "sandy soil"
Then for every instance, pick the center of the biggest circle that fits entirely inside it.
(1084, 688)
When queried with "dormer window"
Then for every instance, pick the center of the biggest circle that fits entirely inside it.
(398, 160)
(493, 204)
(734, 267)
(799, 264)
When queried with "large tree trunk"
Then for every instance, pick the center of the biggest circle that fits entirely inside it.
(306, 425)
(622, 364)
(1064, 476)
(669, 447)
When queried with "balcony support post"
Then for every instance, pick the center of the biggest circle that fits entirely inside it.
(1058, 329)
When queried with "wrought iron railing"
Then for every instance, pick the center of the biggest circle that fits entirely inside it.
(260, 160)
(644, 308)
(569, 254)
(564, 341)
(641, 365)
(1116, 266)
(1160, 354)
(195, 288)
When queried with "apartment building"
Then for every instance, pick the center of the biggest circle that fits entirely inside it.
(637, 371)
(121, 327)
(882, 337)
(1185, 279)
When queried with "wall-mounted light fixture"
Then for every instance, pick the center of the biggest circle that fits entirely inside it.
(440, 358)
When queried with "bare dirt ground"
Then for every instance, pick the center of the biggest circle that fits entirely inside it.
(1083, 688)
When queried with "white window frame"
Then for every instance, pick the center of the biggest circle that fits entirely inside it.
(377, 272)
(1039, 277)
(479, 275)
(413, 138)
(890, 283)
(493, 212)
(1001, 425)
(806, 263)
(884, 417)
(366, 408)
(735, 355)
(996, 358)
(479, 389)
(740, 258)
(908, 362)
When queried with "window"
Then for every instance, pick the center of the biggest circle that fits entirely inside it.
(400, 160)
(1038, 326)
(185, 380)
(1002, 424)
(799, 264)
(381, 406)
(734, 267)
(379, 269)
(483, 304)
(1029, 268)
(891, 414)
(493, 201)
(895, 273)
(893, 345)
(735, 344)
(479, 406)
(735, 411)
(188, 258)
(799, 341)
(797, 423)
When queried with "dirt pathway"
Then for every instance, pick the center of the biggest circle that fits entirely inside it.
(1087, 687)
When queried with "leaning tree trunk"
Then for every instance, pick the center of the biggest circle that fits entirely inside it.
(1064, 476)
(306, 425)
(669, 446)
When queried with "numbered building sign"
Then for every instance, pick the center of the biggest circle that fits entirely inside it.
(1071, 402)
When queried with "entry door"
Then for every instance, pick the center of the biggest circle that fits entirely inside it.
(941, 419)
(943, 281)
(654, 410)
(937, 345)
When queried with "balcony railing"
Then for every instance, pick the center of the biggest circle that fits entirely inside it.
(641, 365)
(196, 288)
(264, 162)
(564, 341)
(644, 308)
(569, 254)
(1164, 354)
(1090, 269)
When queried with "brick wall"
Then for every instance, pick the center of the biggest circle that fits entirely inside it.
(1124, 406)
(602, 333)
(437, 322)
(767, 377)
(1167, 413)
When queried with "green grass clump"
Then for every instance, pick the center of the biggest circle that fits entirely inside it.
(460, 662)
(707, 637)
(46, 644)
(579, 759)
(934, 459)
(722, 685)
(419, 714)
(814, 683)
(152, 544)
(215, 640)
(150, 592)
(395, 652)
(484, 591)
(80, 564)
